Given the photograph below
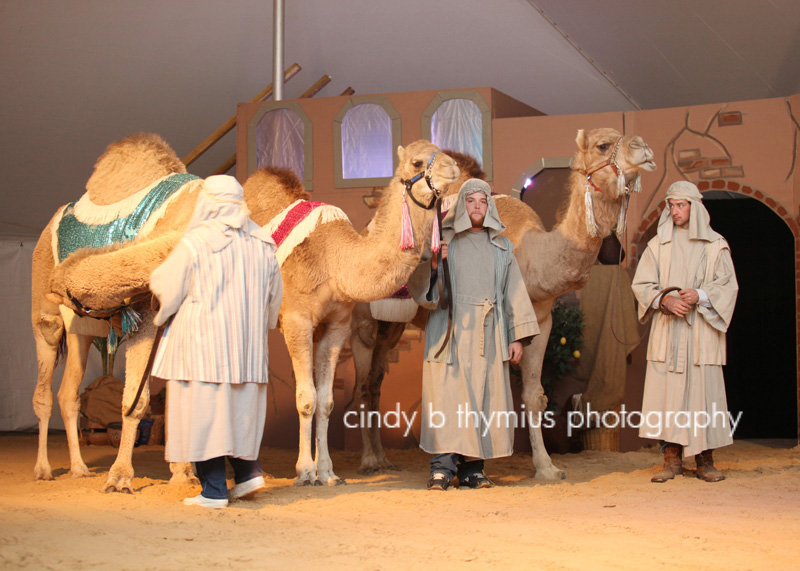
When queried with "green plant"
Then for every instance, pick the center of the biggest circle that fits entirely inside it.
(563, 348)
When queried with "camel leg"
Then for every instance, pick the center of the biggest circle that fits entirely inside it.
(362, 345)
(328, 349)
(120, 476)
(47, 333)
(182, 472)
(371, 347)
(77, 353)
(536, 402)
(389, 334)
(298, 333)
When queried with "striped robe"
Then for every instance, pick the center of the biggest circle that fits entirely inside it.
(214, 351)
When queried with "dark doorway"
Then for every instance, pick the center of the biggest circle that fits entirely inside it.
(761, 374)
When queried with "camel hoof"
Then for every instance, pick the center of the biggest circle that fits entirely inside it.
(377, 469)
(121, 489)
(337, 482)
(81, 473)
(317, 483)
(300, 482)
(180, 478)
(42, 475)
(551, 473)
(121, 485)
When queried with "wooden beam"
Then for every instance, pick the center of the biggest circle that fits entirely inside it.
(290, 72)
(348, 91)
(317, 87)
(226, 166)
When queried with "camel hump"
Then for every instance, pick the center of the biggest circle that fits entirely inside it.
(129, 165)
(271, 189)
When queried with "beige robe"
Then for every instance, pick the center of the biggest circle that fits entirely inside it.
(610, 333)
(467, 407)
(684, 387)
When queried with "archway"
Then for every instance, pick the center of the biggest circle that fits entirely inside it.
(761, 376)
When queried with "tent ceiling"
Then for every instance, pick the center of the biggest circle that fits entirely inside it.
(78, 75)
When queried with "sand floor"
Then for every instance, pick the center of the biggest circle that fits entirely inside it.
(606, 515)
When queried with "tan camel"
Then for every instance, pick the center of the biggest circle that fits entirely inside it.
(331, 270)
(122, 175)
(552, 263)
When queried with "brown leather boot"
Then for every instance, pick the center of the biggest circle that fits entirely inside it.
(705, 467)
(672, 463)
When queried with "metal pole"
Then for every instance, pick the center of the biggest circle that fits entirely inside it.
(277, 50)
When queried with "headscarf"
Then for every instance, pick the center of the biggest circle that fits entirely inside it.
(699, 219)
(457, 219)
(221, 209)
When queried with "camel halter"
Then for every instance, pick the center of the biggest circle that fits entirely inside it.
(428, 174)
(623, 189)
(406, 232)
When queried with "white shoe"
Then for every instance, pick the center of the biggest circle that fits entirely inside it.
(201, 500)
(248, 488)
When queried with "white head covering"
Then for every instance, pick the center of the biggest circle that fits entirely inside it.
(699, 219)
(221, 209)
(457, 219)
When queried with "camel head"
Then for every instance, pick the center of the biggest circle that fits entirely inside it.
(611, 162)
(427, 170)
(607, 169)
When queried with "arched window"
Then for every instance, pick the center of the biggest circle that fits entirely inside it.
(461, 121)
(280, 135)
(456, 125)
(366, 133)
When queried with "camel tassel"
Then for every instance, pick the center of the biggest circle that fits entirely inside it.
(591, 225)
(637, 184)
(406, 233)
(621, 221)
(436, 240)
(112, 340)
(621, 190)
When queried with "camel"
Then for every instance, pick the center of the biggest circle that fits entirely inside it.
(122, 175)
(331, 270)
(607, 164)
(323, 279)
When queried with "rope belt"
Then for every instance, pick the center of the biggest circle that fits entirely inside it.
(488, 306)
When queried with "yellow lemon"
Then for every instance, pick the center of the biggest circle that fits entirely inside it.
(576, 354)
(563, 340)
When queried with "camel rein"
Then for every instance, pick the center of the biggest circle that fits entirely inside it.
(148, 368)
(445, 287)
(80, 309)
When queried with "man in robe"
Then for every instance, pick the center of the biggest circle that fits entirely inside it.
(684, 403)
(223, 286)
(467, 408)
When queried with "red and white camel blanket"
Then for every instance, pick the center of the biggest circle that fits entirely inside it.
(297, 221)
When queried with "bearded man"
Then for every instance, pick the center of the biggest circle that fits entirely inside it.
(467, 409)
(686, 283)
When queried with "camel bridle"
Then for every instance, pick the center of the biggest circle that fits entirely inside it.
(624, 189)
(428, 174)
(611, 162)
